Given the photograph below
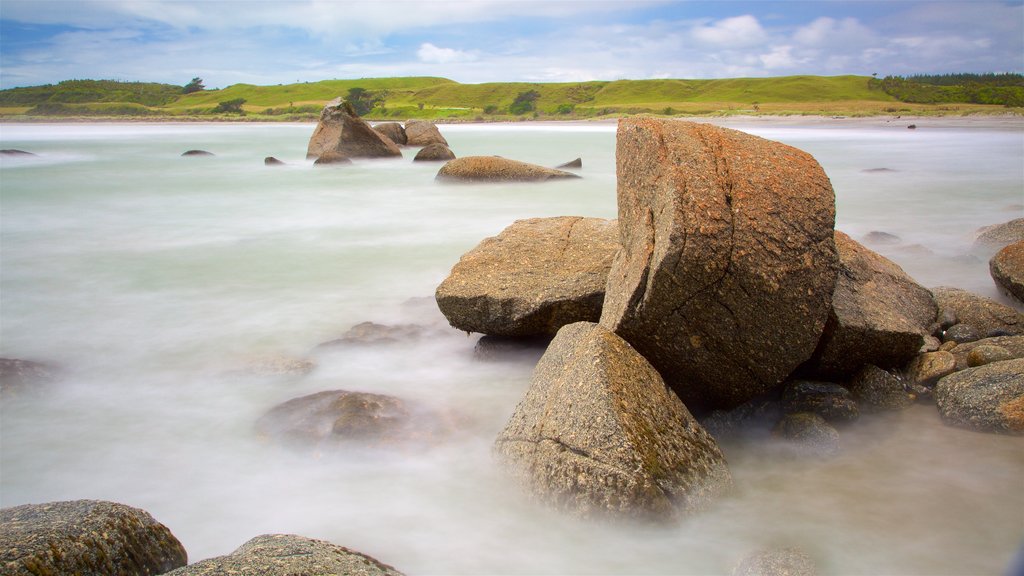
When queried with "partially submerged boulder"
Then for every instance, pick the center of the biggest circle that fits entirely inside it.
(392, 131)
(879, 314)
(992, 238)
(196, 153)
(989, 398)
(85, 537)
(422, 133)
(341, 130)
(826, 399)
(728, 264)
(434, 153)
(1007, 269)
(332, 158)
(288, 555)
(987, 316)
(598, 434)
(810, 434)
(496, 169)
(534, 277)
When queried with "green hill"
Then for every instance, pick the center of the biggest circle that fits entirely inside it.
(441, 98)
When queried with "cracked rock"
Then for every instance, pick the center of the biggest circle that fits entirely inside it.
(600, 435)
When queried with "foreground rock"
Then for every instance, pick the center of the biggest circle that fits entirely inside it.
(341, 130)
(728, 264)
(985, 315)
(434, 153)
(288, 555)
(338, 418)
(599, 434)
(85, 537)
(879, 314)
(989, 398)
(392, 131)
(1007, 269)
(534, 277)
(423, 133)
(496, 169)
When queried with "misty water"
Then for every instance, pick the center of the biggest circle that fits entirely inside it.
(156, 282)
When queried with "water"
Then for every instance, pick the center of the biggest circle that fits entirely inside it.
(153, 280)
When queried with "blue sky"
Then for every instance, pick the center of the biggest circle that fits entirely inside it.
(283, 41)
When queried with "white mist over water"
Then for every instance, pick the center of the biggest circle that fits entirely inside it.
(152, 279)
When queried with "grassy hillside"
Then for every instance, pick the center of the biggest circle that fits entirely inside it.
(440, 98)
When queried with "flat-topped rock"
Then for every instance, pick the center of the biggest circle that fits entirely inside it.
(497, 169)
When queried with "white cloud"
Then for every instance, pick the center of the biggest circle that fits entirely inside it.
(437, 55)
(736, 31)
(779, 57)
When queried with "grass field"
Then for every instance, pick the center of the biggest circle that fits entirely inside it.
(443, 99)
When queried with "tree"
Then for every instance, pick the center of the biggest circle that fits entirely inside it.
(362, 100)
(524, 102)
(196, 85)
(230, 106)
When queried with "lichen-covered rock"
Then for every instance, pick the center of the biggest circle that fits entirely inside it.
(986, 315)
(534, 277)
(341, 130)
(423, 133)
(777, 562)
(392, 131)
(879, 314)
(85, 537)
(810, 434)
(728, 264)
(599, 434)
(927, 368)
(877, 389)
(1007, 269)
(496, 169)
(435, 152)
(988, 398)
(288, 555)
(826, 399)
(1013, 345)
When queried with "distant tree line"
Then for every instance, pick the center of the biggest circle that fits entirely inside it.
(81, 91)
(999, 89)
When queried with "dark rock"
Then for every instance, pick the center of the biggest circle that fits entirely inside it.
(341, 130)
(960, 333)
(752, 418)
(332, 159)
(197, 153)
(988, 398)
(599, 434)
(912, 126)
(991, 239)
(423, 133)
(986, 315)
(499, 348)
(15, 152)
(496, 169)
(725, 278)
(777, 562)
(926, 369)
(288, 555)
(271, 161)
(879, 315)
(1013, 345)
(878, 237)
(878, 170)
(338, 418)
(830, 401)
(16, 375)
(85, 537)
(810, 434)
(877, 389)
(371, 333)
(1007, 269)
(392, 131)
(434, 153)
(571, 165)
(533, 278)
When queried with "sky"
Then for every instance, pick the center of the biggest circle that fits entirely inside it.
(269, 42)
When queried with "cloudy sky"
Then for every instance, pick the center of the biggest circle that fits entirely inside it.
(283, 41)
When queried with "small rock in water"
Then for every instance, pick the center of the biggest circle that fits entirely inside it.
(878, 389)
(17, 375)
(197, 153)
(271, 161)
(435, 152)
(332, 158)
(879, 237)
(826, 399)
(877, 170)
(372, 333)
(571, 165)
(277, 365)
(15, 152)
(810, 434)
(777, 562)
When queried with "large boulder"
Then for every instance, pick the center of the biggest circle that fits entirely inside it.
(985, 315)
(988, 398)
(392, 131)
(496, 169)
(534, 277)
(341, 130)
(1007, 269)
(725, 278)
(288, 555)
(85, 537)
(599, 435)
(422, 133)
(879, 314)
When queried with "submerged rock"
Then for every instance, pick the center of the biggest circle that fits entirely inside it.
(423, 133)
(992, 238)
(599, 434)
(434, 153)
(810, 434)
(372, 333)
(777, 562)
(288, 555)
(271, 161)
(496, 169)
(877, 389)
(17, 375)
(986, 315)
(85, 537)
(341, 130)
(15, 152)
(332, 158)
(571, 165)
(879, 315)
(728, 264)
(534, 277)
(1007, 269)
(989, 398)
(196, 153)
(830, 401)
